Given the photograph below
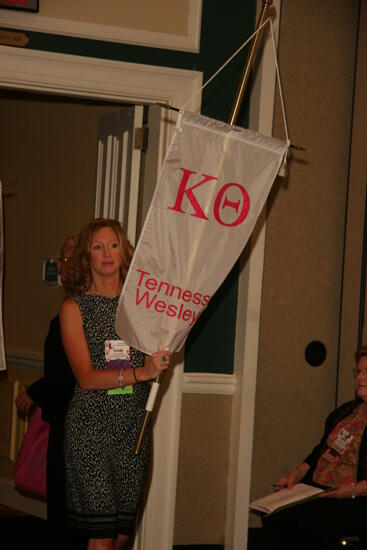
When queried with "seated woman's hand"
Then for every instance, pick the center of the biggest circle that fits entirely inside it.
(344, 491)
(293, 477)
(157, 363)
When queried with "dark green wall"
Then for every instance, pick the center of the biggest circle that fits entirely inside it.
(225, 26)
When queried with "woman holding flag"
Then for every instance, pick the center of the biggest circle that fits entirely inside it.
(105, 478)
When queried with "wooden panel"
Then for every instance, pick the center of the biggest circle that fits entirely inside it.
(355, 223)
(305, 236)
(203, 469)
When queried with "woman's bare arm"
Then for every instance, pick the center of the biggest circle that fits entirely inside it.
(76, 349)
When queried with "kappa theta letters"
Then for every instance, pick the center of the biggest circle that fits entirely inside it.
(221, 201)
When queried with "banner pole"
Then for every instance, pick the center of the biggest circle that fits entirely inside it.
(248, 66)
(148, 413)
(232, 121)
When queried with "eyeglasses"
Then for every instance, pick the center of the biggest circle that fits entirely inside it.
(357, 371)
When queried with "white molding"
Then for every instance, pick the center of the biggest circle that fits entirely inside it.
(56, 73)
(207, 383)
(38, 23)
(248, 322)
(62, 74)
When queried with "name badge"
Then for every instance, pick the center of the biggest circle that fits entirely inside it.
(342, 441)
(117, 355)
(339, 445)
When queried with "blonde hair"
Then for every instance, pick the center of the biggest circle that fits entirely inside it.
(79, 278)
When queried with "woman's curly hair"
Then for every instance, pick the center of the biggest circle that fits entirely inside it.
(361, 352)
(79, 278)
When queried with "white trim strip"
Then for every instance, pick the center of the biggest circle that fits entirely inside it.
(134, 179)
(107, 179)
(123, 178)
(100, 153)
(220, 384)
(74, 75)
(115, 161)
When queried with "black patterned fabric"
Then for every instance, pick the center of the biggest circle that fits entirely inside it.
(105, 479)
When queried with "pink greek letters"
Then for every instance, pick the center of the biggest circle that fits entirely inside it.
(231, 204)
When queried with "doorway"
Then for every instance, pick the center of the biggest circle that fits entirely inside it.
(60, 74)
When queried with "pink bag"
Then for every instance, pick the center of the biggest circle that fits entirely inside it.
(30, 468)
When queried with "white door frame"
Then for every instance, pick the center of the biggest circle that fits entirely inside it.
(71, 75)
(248, 318)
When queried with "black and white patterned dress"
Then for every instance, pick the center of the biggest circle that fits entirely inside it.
(105, 479)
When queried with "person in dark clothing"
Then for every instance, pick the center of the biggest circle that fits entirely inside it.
(52, 393)
(337, 464)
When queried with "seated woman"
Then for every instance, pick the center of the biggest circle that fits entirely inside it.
(339, 464)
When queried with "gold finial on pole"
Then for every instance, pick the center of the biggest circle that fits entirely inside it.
(248, 66)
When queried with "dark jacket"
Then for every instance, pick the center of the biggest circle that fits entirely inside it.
(53, 391)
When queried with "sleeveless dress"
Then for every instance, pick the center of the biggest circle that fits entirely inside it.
(105, 480)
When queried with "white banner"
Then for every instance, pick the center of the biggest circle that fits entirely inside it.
(212, 187)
